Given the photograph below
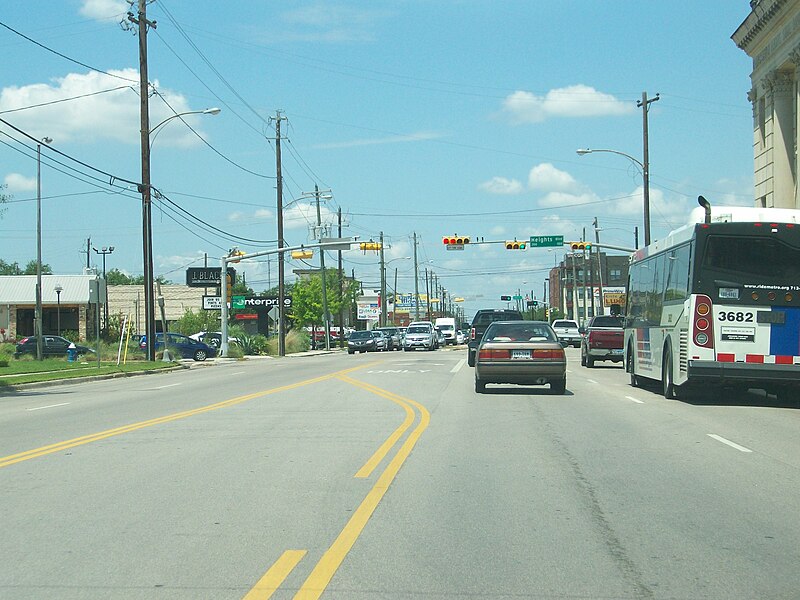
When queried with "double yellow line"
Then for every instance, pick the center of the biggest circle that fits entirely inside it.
(331, 560)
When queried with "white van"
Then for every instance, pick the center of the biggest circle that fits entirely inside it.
(447, 325)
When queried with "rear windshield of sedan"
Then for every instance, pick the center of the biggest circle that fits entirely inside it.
(361, 335)
(513, 332)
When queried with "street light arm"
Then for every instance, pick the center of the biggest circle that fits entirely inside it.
(207, 111)
(582, 151)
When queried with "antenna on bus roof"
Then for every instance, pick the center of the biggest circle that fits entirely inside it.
(707, 206)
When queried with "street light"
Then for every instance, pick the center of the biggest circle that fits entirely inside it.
(643, 166)
(38, 331)
(58, 291)
(105, 251)
(147, 222)
(383, 289)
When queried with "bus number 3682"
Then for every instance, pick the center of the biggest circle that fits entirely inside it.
(736, 317)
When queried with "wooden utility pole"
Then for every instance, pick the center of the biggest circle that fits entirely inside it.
(644, 105)
(281, 289)
(322, 270)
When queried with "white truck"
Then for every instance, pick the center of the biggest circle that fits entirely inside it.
(447, 325)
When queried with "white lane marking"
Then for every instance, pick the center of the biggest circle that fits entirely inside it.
(632, 399)
(50, 406)
(161, 387)
(458, 366)
(591, 381)
(729, 443)
(238, 373)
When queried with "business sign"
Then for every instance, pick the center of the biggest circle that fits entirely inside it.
(206, 276)
(368, 311)
(244, 302)
(245, 317)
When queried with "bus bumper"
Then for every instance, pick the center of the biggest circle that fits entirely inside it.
(742, 372)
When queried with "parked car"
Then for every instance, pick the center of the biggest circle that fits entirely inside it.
(52, 345)
(361, 341)
(482, 319)
(394, 337)
(381, 340)
(521, 352)
(603, 339)
(212, 338)
(567, 332)
(419, 335)
(181, 345)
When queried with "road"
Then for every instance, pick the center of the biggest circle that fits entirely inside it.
(384, 475)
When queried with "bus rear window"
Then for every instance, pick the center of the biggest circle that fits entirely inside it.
(752, 257)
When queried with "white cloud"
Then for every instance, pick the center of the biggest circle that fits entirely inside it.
(501, 186)
(566, 199)
(260, 214)
(576, 101)
(303, 216)
(326, 22)
(111, 112)
(20, 183)
(546, 177)
(104, 9)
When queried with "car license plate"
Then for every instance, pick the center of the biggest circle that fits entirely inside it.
(520, 355)
(616, 351)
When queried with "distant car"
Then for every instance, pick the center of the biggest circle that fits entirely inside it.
(361, 341)
(602, 339)
(52, 345)
(461, 337)
(567, 332)
(521, 352)
(393, 334)
(212, 338)
(182, 345)
(441, 340)
(381, 340)
(481, 321)
(419, 335)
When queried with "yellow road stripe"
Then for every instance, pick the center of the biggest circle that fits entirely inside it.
(274, 577)
(94, 437)
(381, 452)
(323, 572)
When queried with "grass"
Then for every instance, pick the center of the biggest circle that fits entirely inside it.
(28, 370)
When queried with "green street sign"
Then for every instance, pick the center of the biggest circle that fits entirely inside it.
(546, 241)
(517, 297)
(237, 302)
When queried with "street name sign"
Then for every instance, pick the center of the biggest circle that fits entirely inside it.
(546, 241)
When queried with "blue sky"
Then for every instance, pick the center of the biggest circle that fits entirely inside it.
(434, 118)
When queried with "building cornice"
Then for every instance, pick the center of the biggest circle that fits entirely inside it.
(761, 14)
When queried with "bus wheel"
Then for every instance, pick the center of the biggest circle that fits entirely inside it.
(668, 385)
(629, 366)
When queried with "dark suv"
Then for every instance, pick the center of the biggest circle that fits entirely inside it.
(481, 321)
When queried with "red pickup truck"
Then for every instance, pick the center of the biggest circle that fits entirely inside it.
(603, 339)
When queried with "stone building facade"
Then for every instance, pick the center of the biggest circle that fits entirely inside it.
(770, 35)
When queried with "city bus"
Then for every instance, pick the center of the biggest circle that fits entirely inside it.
(716, 304)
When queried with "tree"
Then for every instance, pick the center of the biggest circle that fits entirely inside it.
(3, 198)
(307, 298)
(30, 268)
(9, 268)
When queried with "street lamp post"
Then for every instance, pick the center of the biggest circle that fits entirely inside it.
(38, 328)
(105, 251)
(144, 189)
(384, 300)
(58, 291)
(645, 183)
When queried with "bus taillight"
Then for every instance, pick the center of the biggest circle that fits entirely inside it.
(702, 325)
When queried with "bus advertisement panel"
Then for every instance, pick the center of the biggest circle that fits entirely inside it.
(718, 303)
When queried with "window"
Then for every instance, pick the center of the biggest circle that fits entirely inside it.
(615, 273)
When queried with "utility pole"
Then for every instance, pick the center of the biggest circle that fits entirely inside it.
(322, 269)
(382, 321)
(416, 281)
(281, 290)
(144, 189)
(428, 293)
(644, 105)
(341, 284)
(599, 266)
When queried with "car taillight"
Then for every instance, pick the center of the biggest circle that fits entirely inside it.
(24, 340)
(550, 354)
(472, 333)
(494, 354)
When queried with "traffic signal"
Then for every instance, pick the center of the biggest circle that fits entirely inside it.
(505, 298)
(228, 286)
(455, 239)
(233, 253)
(581, 245)
(370, 245)
(515, 245)
(547, 314)
(301, 254)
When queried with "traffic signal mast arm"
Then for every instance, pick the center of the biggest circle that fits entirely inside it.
(333, 245)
